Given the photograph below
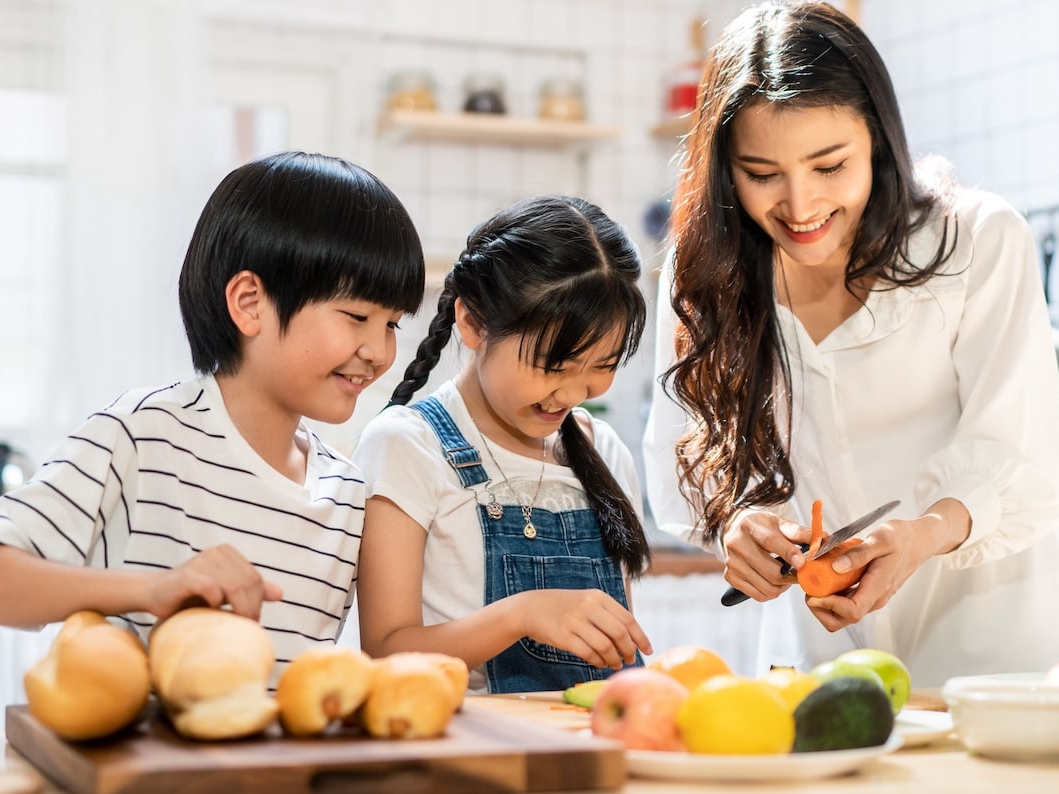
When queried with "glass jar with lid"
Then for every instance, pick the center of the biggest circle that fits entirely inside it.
(411, 89)
(484, 93)
(562, 99)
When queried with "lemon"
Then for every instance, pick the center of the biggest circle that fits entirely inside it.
(732, 715)
(690, 664)
(793, 685)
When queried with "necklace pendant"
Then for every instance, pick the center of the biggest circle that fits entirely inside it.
(529, 530)
(494, 510)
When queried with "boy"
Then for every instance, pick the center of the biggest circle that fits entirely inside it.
(213, 491)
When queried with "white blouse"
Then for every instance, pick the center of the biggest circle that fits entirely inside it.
(949, 389)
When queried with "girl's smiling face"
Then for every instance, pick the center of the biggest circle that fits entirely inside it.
(804, 175)
(515, 401)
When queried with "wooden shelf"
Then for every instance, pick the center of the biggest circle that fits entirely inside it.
(413, 125)
(676, 127)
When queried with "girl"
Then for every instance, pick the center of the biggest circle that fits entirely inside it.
(213, 490)
(849, 329)
(501, 518)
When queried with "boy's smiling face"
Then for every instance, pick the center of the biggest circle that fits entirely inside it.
(330, 353)
(318, 366)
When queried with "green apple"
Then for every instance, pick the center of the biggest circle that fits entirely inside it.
(829, 671)
(896, 679)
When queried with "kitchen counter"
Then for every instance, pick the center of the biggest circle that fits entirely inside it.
(942, 766)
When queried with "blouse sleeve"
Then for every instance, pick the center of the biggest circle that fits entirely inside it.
(1001, 463)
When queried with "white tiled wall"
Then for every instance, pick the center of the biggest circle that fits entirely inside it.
(621, 49)
(977, 83)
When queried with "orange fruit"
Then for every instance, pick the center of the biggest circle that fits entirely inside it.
(690, 664)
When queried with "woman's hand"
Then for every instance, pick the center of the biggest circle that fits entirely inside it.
(752, 544)
(586, 623)
(892, 553)
(216, 576)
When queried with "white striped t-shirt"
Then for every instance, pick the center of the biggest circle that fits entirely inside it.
(163, 473)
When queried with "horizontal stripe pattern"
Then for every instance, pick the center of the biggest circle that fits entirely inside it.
(162, 474)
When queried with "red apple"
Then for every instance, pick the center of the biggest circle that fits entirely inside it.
(638, 707)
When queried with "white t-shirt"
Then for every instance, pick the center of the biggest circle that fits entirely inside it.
(949, 389)
(163, 474)
(401, 459)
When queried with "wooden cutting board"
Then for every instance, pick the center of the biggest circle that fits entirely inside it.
(482, 751)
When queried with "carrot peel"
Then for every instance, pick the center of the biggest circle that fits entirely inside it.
(816, 529)
(817, 578)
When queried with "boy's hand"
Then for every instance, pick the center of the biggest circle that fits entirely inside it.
(217, 576)
(587, 623)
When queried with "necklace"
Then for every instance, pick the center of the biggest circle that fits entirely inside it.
(494, 509)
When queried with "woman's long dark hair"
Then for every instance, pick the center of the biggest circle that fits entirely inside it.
(561, 275)
(732, 372)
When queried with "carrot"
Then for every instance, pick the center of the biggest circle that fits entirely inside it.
(817, 577)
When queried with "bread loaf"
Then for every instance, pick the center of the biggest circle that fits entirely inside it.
(412, 698)
(454, 669)
(92, 682)
(210, 669)
(322, 686)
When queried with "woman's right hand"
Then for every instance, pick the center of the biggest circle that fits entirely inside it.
(587, 623)
(216, 576)
(752, 544)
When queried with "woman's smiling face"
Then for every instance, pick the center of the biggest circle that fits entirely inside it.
(804, 175)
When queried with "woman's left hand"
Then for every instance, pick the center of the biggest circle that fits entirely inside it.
(892, 553)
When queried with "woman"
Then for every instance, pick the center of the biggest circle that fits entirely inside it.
(842, 326)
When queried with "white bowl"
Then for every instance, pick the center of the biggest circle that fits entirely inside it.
(1013, 716)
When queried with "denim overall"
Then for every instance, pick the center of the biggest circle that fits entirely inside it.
(565, 553)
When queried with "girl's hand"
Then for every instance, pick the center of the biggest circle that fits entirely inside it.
(892, 552)
(752, 544)
(217, 576)
(586, 623)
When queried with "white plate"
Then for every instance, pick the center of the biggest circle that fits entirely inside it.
(792, 766)
(919, 728)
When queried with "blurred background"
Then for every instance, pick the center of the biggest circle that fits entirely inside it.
(118, 117)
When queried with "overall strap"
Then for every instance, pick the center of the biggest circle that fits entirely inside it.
(463, 457)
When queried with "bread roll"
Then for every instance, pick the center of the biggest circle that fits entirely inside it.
(92, 682)
(322, 685)
(454, 668)
(210, 669)
(412, 698)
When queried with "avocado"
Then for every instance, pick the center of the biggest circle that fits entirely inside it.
(841, 714)
(584, 694)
